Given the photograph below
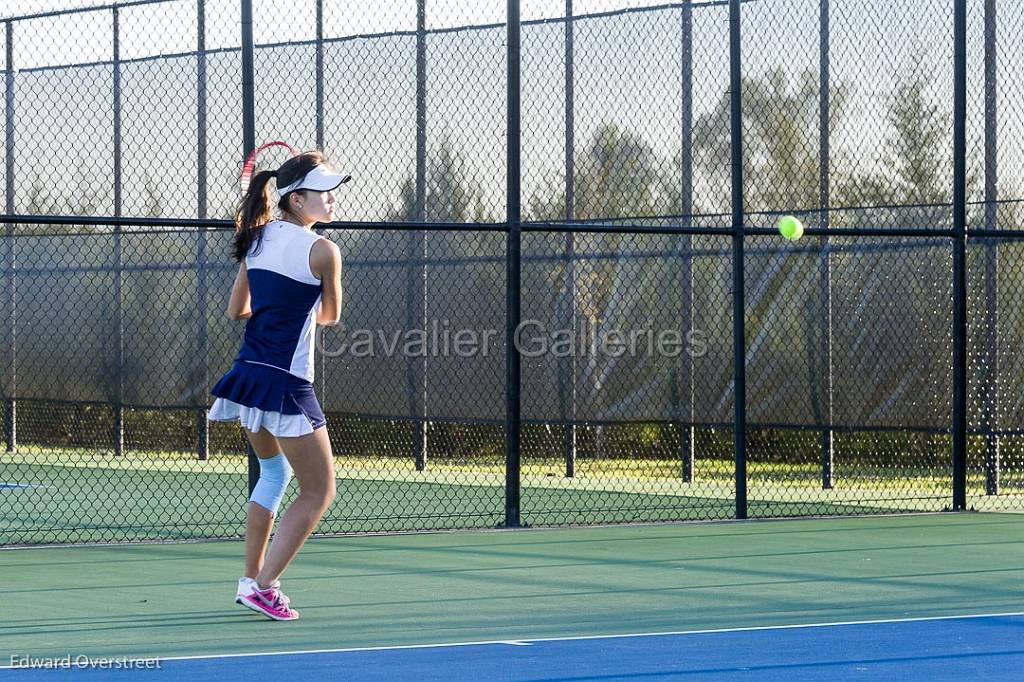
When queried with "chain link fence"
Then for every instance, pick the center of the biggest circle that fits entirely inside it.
(572, 170)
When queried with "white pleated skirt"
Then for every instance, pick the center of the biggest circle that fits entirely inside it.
(254, 419)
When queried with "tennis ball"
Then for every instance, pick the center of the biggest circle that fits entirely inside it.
(791, 228)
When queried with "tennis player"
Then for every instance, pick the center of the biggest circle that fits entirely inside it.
(289, 281)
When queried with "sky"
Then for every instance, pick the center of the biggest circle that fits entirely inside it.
(293, 20)
(274, 21)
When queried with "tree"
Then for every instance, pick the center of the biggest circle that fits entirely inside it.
(619, 176)
(898, 289)
(450, 196)
(914, 168)
(780, 143)
(620, 179)
(448, 276)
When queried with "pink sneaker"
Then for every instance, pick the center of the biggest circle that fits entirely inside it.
(271, 603)
(247, 585)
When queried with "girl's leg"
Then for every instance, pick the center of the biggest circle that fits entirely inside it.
(312, 461)
(259, 521)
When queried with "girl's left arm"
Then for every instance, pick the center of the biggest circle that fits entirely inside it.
(238, 306)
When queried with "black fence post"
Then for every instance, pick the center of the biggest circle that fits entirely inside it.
(319, 77)
(738, 302)
(118, 249)
(10, 405)
(249, 144)
(416, 310)
(686, 425)
(512, 257)
(959, 255)
(320, 358)
(567, 377)
(824, 189)
(202, 424)
(989, 395)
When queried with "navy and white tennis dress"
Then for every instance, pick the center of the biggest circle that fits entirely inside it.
(270, 384)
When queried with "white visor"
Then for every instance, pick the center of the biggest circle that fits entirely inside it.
(319, 179)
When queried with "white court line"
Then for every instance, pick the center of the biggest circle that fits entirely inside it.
(528, 642)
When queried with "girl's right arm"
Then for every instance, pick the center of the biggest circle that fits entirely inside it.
(239, 303)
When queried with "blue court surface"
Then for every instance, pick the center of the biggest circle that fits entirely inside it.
(988, 647)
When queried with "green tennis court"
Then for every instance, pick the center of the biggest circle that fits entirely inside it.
(174, 600)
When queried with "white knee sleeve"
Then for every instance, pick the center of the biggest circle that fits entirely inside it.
(275, 473)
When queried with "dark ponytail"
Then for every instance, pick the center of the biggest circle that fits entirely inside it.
(253, 213)
(256, 209)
